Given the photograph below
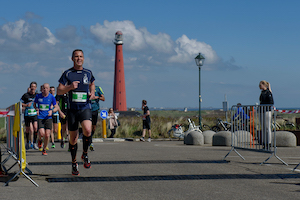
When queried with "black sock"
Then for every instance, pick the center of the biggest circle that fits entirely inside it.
(92, 133)
(35, 137)
(86, 143)
(27, 136)
(113, 131)
(73, 150)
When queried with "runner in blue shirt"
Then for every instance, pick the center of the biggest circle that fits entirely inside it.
(78, 82)
(43, 104)
(99, 95)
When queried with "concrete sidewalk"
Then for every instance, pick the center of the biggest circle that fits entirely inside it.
(158, 170)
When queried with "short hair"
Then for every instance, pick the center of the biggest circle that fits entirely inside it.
(46, 84)
(144, 102)
(52, 87)
(33, 82)
(75, 51)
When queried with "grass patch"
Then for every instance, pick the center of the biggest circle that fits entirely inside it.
(2, 122)
(162, 121)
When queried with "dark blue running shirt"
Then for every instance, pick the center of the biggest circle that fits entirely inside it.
(78, 99)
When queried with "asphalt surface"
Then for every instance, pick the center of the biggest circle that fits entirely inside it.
(157, 170)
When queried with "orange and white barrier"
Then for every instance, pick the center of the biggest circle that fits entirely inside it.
(288, 111)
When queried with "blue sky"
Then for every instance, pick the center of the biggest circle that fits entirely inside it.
(243, 42)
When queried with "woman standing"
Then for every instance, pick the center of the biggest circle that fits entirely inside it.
(266, 98)
(113, 123)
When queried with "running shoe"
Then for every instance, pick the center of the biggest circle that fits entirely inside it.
(149, 140)
(31, 146)
(142, 139)
(41, 149)
(62, 144)
(47, 148)
(44, 153)
(75, 171)
(53, 146)
(35, 146)
(40, 144)
(92, 147)
(87, 163)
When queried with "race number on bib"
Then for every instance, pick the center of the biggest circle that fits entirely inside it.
(32, 111)
(79, 97)
(44, 107)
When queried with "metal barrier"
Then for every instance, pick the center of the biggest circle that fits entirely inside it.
(253, 128)
(15, 145)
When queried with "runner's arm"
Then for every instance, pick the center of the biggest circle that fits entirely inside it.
(102, 98)
(35, 107)
(63, 89)
(92, 90)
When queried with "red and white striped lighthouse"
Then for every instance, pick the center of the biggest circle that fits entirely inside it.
(119, 102)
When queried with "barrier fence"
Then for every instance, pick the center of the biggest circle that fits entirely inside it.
(15, 143)
(253, 129)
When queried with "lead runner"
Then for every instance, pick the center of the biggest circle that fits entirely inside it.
(78, 82)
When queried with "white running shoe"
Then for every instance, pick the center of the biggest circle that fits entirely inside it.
(35, 146)
(149, 140)
(142, 139)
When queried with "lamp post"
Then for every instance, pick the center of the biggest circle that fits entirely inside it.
(199, 62)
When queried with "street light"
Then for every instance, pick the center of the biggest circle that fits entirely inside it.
(199, 62)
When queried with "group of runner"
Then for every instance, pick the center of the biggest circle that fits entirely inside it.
(78, 99)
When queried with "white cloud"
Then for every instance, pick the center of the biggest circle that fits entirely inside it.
(135, 39)
(51, 39)
(25, 33)
(106, 33)
(157, 48)
(161, 42)
(15, 30)
(187, 49)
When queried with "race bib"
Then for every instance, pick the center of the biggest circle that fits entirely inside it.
(31, 111)
(44, 106)
(79, 97)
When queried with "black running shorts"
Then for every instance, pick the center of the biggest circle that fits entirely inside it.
(146, 124)
(30, 119)
(78, 116)
(55, 119)
(45, 123)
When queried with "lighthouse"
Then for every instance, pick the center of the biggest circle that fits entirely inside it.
(119, 101)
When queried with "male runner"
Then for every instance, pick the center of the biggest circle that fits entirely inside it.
(146, 121)
(43, 104)
(54, 120)
(30, 116)
(99, 95)
(78, 82)
(62, 101)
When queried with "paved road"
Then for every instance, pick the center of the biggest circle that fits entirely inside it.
(159, 170)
